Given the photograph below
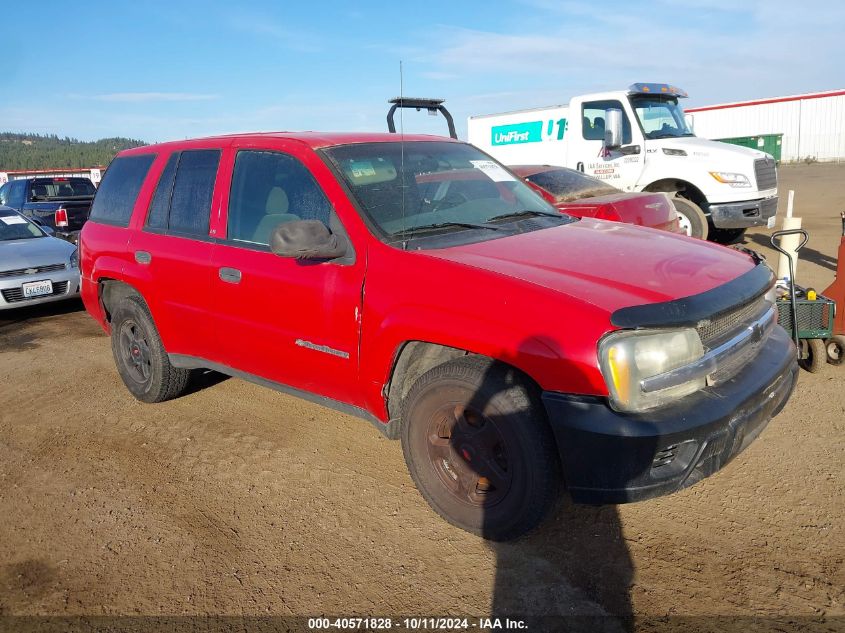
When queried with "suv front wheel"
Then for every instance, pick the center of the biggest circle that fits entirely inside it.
(479, 448)
(140, 357)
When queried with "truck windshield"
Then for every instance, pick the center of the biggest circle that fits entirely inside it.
(407, 188)
(660, 117)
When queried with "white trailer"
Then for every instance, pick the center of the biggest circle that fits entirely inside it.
(638, 140)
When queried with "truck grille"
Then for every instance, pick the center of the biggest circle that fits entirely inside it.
(15, 295)
(31, 271)
(765, 173)
(714, 331)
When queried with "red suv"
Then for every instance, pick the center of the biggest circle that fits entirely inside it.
(511, 347)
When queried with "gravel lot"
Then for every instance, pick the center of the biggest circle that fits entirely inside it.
(239, 500)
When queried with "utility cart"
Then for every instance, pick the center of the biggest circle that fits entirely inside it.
(813, 313)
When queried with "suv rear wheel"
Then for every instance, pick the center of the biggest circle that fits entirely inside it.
(140, 357)
(479, 448)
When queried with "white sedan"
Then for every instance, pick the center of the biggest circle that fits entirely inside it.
(34, 266)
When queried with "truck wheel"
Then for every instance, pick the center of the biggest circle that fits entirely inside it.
(835, 349)
(140, 357)
(813, 355)
(691, 218)
(479, 448)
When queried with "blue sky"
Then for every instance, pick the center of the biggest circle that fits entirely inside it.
(164, 70)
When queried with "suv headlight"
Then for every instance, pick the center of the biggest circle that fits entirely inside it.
(730, 178)
(74, 259)
(627, 357)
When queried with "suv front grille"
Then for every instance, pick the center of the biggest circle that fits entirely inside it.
(14, 295)
(765, 173)
(35, 270)
(714, 331)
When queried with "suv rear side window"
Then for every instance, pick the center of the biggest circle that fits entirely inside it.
(269, 188)
(181, 203)
(116, 196)
(160, 204)
(190, 201)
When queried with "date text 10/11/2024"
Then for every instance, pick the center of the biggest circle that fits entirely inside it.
(416, 624)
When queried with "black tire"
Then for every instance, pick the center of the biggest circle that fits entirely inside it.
(813, 355)
(691, 217)
(473, 409)
(726, 236)
(835, 349)
(140, 357)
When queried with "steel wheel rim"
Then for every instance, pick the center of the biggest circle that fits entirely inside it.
(468, 453)
(684, 223)
(135, 352)
(834, 352)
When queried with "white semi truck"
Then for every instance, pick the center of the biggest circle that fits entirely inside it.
(638, 140)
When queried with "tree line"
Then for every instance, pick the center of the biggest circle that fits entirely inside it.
(35, 151)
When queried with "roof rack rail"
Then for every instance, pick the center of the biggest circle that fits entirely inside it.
(432, 105)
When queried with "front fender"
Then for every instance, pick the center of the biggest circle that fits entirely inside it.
(555, 363)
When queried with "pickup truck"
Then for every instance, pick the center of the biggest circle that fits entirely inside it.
(512, 348)
(63, 204)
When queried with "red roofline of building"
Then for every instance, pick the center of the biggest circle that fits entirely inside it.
(20, 172)
(740, 104)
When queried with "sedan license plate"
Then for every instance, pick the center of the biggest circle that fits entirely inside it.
(37, 289)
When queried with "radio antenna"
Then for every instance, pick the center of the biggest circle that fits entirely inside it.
(402, 152)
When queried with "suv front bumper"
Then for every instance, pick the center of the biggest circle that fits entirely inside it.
(612, 457)
(741, 215)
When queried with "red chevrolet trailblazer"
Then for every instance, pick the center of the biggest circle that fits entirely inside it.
(513, 349)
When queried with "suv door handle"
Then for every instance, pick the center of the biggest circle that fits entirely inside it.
(230, 275)
(143, 257)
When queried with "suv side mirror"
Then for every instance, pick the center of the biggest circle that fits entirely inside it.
(306, 239)
(612, 128)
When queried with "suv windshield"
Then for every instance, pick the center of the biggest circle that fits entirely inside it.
(16, 227)
(660, 117)
(418, 186)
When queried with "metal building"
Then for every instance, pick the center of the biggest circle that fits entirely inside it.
(812, 125)
(94, 173)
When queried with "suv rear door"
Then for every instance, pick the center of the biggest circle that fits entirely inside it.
(170, 250)
(290, 321)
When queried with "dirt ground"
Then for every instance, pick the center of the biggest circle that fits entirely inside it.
(239, 500)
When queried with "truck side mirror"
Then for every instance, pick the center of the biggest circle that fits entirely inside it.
(612, 128)
(306, 239)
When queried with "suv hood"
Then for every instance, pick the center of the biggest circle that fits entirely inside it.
(607, 264)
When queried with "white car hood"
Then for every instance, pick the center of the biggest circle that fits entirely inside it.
(32, 252)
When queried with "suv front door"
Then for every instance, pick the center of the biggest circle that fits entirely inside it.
(293, 322)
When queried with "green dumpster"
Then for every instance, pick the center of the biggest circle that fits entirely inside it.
(769, 143)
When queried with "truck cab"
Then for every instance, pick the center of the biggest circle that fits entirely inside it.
(638, 140)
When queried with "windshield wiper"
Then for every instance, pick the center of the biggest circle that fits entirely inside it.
(521, 214)
(443, 225)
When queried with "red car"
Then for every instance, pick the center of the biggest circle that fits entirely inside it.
(418, 284)
(583, 196)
